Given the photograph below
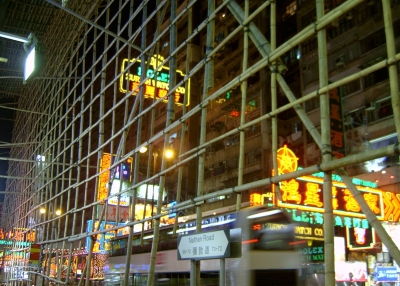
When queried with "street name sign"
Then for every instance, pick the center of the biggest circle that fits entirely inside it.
(204, 245)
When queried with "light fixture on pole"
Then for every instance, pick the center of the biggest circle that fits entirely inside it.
(34, 60)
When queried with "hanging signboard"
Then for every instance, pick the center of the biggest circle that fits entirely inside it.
(157, 84)
(386, 274)
(305, 193)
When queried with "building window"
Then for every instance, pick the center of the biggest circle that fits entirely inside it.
(233, 140)
(219, 37)
(292, 56)
(312, 104)
(252, 131)
(308, 19)
(351, 87)
(368, 11)
(232, 163)
(380, 109)
(309, 46)
(376, 77)
(252, 157)
(290, 11)
(343, 26)
(374, 41)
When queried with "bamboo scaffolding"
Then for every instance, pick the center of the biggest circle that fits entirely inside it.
(75, 121)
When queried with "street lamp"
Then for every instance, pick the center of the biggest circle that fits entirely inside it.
(43, 211)
(168, 153)
(33, 48)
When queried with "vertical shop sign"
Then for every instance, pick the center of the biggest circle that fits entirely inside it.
(336, 118)
(122, 174)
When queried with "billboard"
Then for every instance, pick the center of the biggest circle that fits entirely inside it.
(157, 84)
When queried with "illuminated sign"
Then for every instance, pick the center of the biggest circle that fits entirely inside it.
(306, 192)
(257, 199)
(309, 232)
(104, 177)
(116, 187)
(313, 253)
(152, 192)
(234, 113)
(317, 218)
(392, 206)
(34, 255)
(355, 181)
(102, 242)
(360, 238)
(386, 274)
(156, 84)
(16, 243)
(351, 272)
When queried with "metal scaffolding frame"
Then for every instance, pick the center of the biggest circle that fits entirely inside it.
(66, 123)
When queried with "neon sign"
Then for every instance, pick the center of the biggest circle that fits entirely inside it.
(392, 206)
(104, 177)
(360, 238)
(317, 218)
(257, 199)
(157, 84)
(306, 192)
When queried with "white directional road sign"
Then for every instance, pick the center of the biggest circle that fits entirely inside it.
(205, 245)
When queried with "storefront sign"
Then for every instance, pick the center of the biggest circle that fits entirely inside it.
(306, 193)
(354, 271)
(313, 253)
(336, 123)
(104, 178)
(317, 218)
(360, 238)
(157, 84)
(101, 242)
(386, 274)
(309, 232)
(392, 206)
(152, 192)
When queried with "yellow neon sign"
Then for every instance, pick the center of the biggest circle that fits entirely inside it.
(157, 83)
(305, 192)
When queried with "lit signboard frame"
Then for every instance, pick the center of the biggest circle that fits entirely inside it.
(310, 196)
(105, 163)
(34, 61)
(133, 80)
(360, 238)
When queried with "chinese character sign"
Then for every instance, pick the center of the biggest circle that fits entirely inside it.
(336, 119)
(105, 164)
(122, 174)
(157, 83)
(306, 192)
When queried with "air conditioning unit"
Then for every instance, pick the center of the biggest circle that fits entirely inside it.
(339, 62)
(370, 106)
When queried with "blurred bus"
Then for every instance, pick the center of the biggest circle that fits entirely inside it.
(269, 253)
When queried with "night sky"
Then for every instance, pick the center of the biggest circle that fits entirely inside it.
(6, 127)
